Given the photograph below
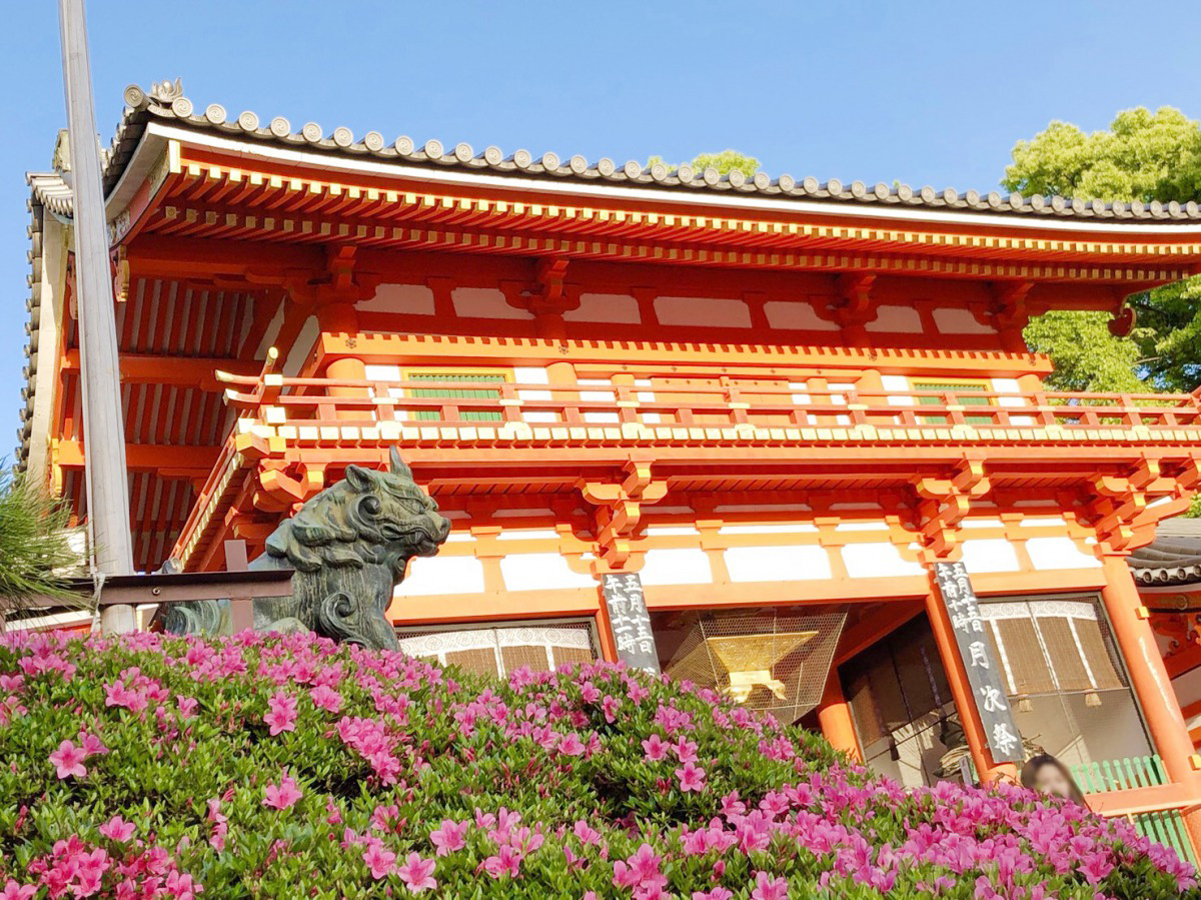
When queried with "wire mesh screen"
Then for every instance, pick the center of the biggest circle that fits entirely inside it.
(771, 660)
(501, 650)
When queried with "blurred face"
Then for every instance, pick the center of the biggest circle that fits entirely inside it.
(1050, 780)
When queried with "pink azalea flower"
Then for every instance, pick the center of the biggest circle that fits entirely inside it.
(641, 870)
(656, 748)
(571, 745)
(91, 744)
(117, 829)
(450, 836)
(507, 861)
(326, 698)
(68, 760)
(187, 706)
(379, 860)
(282, 795)
(14, 891)
(117, 694)
(692, 778)
(586, 833)
(181, 886)
(717, 893)
(282, 716)
(1095, 868)
(418, 873)
(769, 888)
(685, 750)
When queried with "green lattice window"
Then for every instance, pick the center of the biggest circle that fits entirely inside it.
(466, 415)
(963, 396)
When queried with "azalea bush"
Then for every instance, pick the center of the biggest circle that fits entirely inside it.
(266, 766)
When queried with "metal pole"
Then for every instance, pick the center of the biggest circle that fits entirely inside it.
(104, 431)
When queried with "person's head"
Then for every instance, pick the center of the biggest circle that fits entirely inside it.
(1047, 775)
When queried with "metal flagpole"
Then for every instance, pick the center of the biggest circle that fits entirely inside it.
(104, 431)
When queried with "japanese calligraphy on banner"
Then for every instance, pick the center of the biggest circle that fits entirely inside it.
(630, 621)
(983, 668)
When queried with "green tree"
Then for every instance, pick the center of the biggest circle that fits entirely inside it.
(1086, 356)
(35, 544)
(1143, 155)
(725, 162)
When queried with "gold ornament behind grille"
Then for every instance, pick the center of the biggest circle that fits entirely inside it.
(776, 661)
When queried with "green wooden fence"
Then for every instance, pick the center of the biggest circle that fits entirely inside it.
(1166, 827)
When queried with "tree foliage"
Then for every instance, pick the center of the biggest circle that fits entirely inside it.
(35, 544)
(1143, 155)
(725, 162)
(1086, 356)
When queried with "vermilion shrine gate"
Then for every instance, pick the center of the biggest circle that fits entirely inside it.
(779, 404)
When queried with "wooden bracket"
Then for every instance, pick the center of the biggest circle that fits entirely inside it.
(945, 502)
(279, 492)
(619, 509)
(550, 273)
(1009, 305)
(854, 306)
(342, 281)
(1119, 511)
(548, 297)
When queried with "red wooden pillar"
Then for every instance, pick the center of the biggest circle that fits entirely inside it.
(834, 717)
(341, 318)
(1152, 684)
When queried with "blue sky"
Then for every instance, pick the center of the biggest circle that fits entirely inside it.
(924, 92)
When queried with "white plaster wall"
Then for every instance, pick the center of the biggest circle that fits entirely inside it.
(896, 320)
(534, 375)
(709, 311)
(877, 561)
(683, 566)
(541, 571)
(410, 299)
(485, 303)
(955, 320)
(598, 396)
(796, 563)
(442, 575)
(1059, 553)
(990, 555)
(796, 316)
(617, 308)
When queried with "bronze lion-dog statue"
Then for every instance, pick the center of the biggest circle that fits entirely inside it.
(349, 547)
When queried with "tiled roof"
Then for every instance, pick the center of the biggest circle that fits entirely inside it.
(166, 102)
(1174, 557)
(51, 190)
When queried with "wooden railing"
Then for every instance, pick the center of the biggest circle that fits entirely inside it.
(716, 401)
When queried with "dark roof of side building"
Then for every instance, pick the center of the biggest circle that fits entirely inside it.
(1173, 558)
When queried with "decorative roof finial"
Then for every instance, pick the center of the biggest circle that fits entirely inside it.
(165, 92)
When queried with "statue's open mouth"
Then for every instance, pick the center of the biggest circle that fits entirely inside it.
(423, 535)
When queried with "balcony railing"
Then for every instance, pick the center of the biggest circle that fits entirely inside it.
(712, 408)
